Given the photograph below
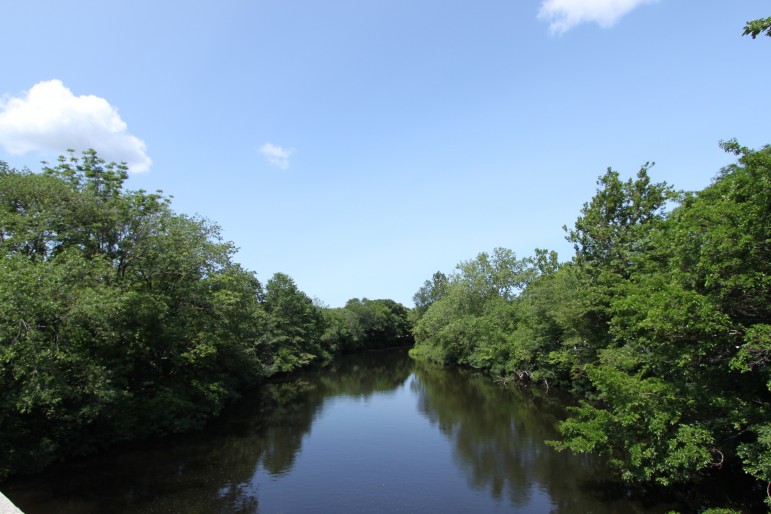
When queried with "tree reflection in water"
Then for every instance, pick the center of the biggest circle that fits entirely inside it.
(498, 435)
(211, 471)
(493, 436)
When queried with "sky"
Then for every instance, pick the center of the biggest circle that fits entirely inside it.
(361, 145)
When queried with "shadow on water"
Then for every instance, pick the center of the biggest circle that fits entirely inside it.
(208, 471)
(493, 435)
(499, 444)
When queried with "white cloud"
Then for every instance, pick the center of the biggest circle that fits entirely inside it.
(50, 119)
(276, 155)
(563, 15)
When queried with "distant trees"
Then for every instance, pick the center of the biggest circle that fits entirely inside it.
(473, 320)
(661, 320)
(367, 324)
(121, 319)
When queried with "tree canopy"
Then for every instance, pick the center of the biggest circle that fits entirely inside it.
(122, 319)
(754, 28)
(661, 321)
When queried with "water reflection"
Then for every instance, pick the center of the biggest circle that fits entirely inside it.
(470, 445)
(498, 436)
(210, 471)
(497, 442)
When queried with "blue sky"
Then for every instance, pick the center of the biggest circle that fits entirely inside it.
(360, 146)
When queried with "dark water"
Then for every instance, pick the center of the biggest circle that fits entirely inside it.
(371, 433)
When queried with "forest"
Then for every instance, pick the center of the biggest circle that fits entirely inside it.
(122, 320)
(660, 323)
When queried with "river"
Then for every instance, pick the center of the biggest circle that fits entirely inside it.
(375, 432)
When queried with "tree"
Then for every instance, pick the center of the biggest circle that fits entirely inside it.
(364, 324)
(295, 325)
(121, 319)
(613, 230)
(35, 213)
(756, 27)
(688, 340)
(431, 291)
(613, 227)
(471, 322)
(97, 219)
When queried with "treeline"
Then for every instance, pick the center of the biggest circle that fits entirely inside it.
(121, 319)
(661, 320)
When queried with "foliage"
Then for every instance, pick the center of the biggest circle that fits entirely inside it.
(368, 324)
(756, 27)
(612, 227)
(121, 319)
(294, 327)
(662, 320)
(472, 321)
(431, 291)
(691, 313)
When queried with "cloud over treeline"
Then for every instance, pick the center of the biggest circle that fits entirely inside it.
(50, 119)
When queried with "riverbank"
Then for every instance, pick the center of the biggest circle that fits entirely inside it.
(371, 432)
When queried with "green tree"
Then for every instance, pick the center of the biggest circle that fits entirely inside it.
(613, 226)
(295, 325)
(35, 211)
(613, 230)
(55, 329)
(756, 27)
(367, 324)
(121, 319)
(431, 291)
(469, 324)
(96, 219)
(688, 340)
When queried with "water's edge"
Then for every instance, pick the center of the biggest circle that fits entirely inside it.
(374, 432)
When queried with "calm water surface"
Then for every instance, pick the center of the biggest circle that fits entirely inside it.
(371, 433)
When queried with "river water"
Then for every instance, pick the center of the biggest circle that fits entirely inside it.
(375, 432)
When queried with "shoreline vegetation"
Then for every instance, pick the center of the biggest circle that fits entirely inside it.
(123, 320)
(661, 323)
